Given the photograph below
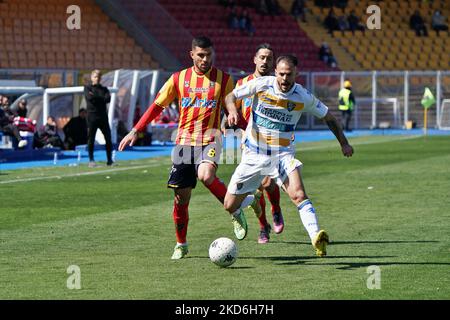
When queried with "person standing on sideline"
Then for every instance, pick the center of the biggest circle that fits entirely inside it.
(201, 91)
(346, 104)
(97, 97)
(269, 146)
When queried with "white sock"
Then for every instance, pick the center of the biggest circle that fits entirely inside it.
(182, 244)
(245, 203)
(308, 217)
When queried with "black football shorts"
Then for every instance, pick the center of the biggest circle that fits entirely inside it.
(185, 162)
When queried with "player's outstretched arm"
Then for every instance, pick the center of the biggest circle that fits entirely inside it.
(147, 117)
(129, 139)
(335, 127)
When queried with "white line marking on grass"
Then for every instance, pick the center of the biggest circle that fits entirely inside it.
(78, 174)
(300, 148)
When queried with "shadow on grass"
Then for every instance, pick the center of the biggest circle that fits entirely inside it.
(230, 267)
(356, 265)
(309, 261)
(332, 243)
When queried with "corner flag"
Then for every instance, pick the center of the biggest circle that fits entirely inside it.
(428, 98)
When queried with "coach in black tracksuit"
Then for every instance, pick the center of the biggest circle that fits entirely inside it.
(97, 97)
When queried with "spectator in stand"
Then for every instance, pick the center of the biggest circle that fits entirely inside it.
(298, 10)
(323, 52)
(22, 110)
(323, 3)
(438, 22)
(343, 23)
(341, 4)
(354, 23)
(76, 131)
(331, 22)
(47, 136)
(233, 21)
(228, 3)
(326, 55)
(245, 23)
(273, 7)
(332, 62)
(417, 24)
(262, 8)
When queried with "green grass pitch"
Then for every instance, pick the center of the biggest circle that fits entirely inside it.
(388, 206)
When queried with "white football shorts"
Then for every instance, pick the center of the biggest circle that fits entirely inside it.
(254, 166)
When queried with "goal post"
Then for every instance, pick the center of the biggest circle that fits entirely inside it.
(444, 115)
(363, 105)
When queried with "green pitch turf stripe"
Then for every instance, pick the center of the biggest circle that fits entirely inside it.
(78, 174)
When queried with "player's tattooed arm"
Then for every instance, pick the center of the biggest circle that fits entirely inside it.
(336, 128)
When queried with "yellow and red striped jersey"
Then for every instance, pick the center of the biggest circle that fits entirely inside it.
(200, 101)
(246, 104)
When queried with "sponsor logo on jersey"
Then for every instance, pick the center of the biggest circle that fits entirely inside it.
(247, 102)
(290, 106)
(198, 103)
(198, 90)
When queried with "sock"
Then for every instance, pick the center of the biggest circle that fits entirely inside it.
(274, 198)
(218, 189)
(181, 219)
(308, 217)
(262, 218)
(245, 203)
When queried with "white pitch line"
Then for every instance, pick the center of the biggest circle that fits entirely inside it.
(77, 174)
(299, 148)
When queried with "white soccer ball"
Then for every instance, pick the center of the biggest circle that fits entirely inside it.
(223, 252)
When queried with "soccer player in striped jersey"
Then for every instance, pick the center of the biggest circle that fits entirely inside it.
(263, 60)
(201, 91)
(269, 147)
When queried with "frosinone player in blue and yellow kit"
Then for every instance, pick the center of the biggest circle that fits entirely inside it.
(264, 61)
(269, 147)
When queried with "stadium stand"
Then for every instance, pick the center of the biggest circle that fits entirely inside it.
(315, 31)
(234, 49)
(395, 46)
(34, 35)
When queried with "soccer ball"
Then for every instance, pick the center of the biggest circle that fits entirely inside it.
(223, 252)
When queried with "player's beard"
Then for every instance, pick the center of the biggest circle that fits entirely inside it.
(285, 87)
(264, 71)
(204, 67)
